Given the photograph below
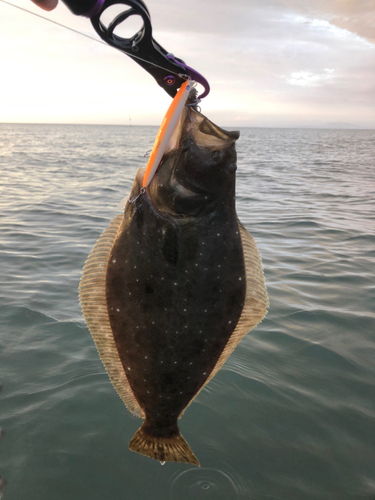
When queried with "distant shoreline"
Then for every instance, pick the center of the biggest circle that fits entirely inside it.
(299, 127)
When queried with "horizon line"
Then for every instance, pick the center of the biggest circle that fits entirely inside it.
(311, 127)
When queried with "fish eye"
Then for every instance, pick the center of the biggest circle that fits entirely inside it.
(216, 155)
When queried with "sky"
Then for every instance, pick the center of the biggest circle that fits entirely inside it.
(270, 63)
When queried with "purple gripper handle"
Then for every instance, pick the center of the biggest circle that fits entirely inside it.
(91, 8)
(194, 75)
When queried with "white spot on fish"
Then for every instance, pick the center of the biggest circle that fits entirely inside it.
(204, 373)
(118, 310)
(114, 261)
(145, 357)
(129, 368)
(240, 279)
(229, 322)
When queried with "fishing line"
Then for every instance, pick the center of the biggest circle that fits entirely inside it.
(54, 22)
(91, 37)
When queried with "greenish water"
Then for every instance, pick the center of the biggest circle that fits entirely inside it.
(290, 416)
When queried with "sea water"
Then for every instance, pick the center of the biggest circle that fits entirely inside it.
(291, 414)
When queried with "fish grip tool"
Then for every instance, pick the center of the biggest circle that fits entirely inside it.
(169, 71)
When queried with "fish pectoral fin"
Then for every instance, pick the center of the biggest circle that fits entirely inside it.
(122, 203)
(171, 449)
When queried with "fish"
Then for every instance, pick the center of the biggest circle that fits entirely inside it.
(173, 284)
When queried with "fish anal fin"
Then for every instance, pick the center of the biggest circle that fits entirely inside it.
(255, 305)
(92, 297)
(171, 449)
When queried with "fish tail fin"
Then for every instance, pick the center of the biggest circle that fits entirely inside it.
(172, 449)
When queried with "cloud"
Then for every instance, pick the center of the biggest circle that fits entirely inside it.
(307, 79)
(356, 16)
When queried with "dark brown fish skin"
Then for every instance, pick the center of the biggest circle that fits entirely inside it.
(176, 280)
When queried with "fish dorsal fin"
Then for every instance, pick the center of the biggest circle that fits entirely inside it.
(92, 296)
(255, 305)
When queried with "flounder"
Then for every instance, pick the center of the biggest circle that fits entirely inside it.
(173, 285)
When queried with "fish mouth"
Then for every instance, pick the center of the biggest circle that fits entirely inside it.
(194, 171)
(200, 129)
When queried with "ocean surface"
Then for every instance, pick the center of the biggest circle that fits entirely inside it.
(291, 416)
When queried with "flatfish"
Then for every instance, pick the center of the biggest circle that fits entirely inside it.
(173, 285)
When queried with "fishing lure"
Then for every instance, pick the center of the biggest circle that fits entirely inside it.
(165, 132)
